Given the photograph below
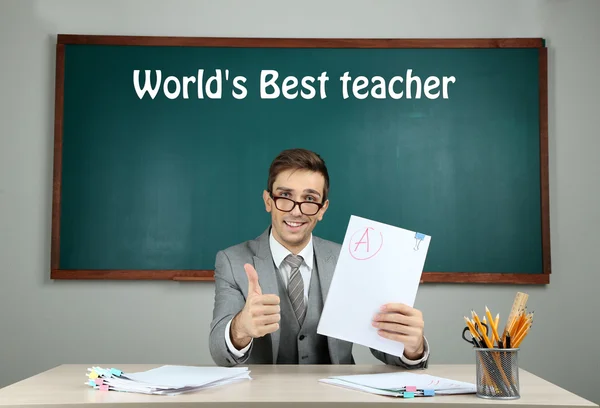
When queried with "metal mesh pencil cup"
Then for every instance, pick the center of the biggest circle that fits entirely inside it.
(497, 373)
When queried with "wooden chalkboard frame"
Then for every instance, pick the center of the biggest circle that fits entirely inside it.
(207, 275)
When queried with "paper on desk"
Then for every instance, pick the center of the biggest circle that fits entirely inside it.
(358, 387)
(378, 264)
(394, 384)
(165, 380)
(184, 376)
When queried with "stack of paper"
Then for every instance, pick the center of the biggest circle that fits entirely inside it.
(402, 384)
(165, 380)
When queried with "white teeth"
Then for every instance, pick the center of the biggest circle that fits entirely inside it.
(293, 224)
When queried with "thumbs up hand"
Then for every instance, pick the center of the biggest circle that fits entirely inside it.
(253, 286)
(260, 315)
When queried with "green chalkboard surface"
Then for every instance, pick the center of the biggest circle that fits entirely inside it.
(163, 144)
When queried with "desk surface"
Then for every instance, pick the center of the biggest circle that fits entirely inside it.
(271, 386)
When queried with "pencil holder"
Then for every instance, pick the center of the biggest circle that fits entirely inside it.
(497, 373)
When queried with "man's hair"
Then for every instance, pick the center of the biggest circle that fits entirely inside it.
(298, 159)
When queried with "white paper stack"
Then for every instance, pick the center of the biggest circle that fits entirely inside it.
(165, 380)
(402, 384)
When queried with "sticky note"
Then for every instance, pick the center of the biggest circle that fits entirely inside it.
(429, 393)
(411, 388)
(409, 394)
(104, 387)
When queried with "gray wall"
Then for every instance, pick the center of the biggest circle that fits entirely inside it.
(45, 323)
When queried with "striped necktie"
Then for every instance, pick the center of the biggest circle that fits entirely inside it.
(296, 287)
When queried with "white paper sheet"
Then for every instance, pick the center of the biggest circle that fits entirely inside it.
(378, 264)
(394, 384)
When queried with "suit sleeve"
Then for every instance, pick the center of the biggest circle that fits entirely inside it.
(403, 361)
(229, 301)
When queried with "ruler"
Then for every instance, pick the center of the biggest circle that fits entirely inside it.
(518, 307)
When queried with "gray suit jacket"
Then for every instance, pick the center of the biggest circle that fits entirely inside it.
(231, 290)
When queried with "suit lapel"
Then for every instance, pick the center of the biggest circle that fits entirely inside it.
(267, 279)
(326, 264)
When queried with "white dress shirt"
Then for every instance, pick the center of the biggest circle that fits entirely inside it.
(279, 252)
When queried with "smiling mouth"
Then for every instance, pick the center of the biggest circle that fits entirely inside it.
(294, 224)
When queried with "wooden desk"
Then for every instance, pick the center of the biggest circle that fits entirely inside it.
(272, 386)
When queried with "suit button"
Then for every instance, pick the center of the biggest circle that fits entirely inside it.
(302, 336)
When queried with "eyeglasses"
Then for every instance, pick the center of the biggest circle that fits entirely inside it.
(287, 204)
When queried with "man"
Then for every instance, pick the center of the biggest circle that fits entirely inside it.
(270, 291)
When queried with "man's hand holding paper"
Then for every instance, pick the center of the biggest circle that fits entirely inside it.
(376, 278)
(402, 323)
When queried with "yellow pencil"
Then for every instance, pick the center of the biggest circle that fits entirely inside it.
(493, 324)
(519, 304)
(520, 340)
(524, 330)
(471, 327)
(484, 332)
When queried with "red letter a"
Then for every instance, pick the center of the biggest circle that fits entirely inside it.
(366, 234)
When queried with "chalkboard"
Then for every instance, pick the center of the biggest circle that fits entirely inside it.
(163, 144)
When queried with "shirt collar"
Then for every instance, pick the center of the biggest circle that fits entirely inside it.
(279, 252)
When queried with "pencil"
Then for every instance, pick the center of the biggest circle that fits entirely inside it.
(483, 331)
(522, 333)
(471, 328)
(519, 333)
(493, 324)
(497, 367)
(519, 304)
(520, 340)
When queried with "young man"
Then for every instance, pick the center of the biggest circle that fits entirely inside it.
(270, 291)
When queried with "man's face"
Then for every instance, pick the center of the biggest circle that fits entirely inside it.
(292, 229)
